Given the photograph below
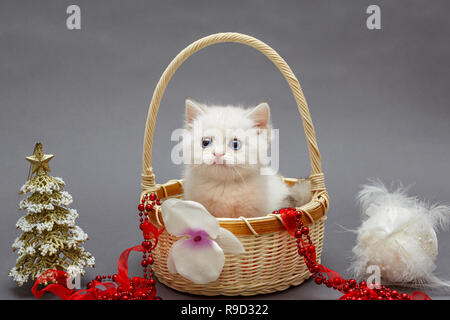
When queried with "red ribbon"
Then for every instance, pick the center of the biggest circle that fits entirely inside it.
(58, 279)
(59, 282)
(150, 232)
(289, 220)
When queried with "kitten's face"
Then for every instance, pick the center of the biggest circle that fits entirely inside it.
(226, 142)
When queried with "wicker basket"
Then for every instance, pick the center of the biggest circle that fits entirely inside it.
(271, 262)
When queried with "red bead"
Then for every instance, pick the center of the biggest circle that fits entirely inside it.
(316, 268)
(148, 207)
(352, 283)
(371, 294)
(311, 249)
(152, 197)
(144, 263)
(298, 234)
(150, 260)
(362, 284)
(345, 288)
(146, 244)
(305, 230)
(318, 280)
(98, 278)
(141, 207)
(337, 281)
(404, 296)
(114, 277)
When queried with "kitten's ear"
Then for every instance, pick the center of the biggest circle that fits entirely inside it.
(193, 110)
(261, 115)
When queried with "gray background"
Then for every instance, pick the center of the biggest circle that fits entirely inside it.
(379, 101)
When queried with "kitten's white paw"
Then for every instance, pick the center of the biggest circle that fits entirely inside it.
(300, 193)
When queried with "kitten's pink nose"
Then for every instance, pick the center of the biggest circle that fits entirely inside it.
(218, 154)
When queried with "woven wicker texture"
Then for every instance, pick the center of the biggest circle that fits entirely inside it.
(271, 262)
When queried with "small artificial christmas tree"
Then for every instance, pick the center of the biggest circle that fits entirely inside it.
(50, 238)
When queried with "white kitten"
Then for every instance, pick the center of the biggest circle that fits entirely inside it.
(226, 146)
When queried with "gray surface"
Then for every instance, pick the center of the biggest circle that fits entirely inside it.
(379, 101)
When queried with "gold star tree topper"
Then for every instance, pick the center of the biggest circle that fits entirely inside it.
(39, 160)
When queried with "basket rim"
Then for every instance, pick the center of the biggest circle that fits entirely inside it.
(315, 210)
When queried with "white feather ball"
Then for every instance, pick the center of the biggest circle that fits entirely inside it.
(398, 234)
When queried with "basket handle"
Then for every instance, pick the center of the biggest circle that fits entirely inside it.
(148, 177)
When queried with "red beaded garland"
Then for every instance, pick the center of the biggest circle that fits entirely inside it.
(142, 289)
(349, 287)
(147, 259)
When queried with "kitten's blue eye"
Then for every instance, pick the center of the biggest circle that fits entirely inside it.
(206, 142)
(235, 144)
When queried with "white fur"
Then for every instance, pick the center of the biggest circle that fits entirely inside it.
(233, 189)
(398, 234)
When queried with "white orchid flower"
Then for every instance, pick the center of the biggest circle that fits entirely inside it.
(199, 255)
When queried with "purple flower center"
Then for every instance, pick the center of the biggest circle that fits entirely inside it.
(198, 238)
